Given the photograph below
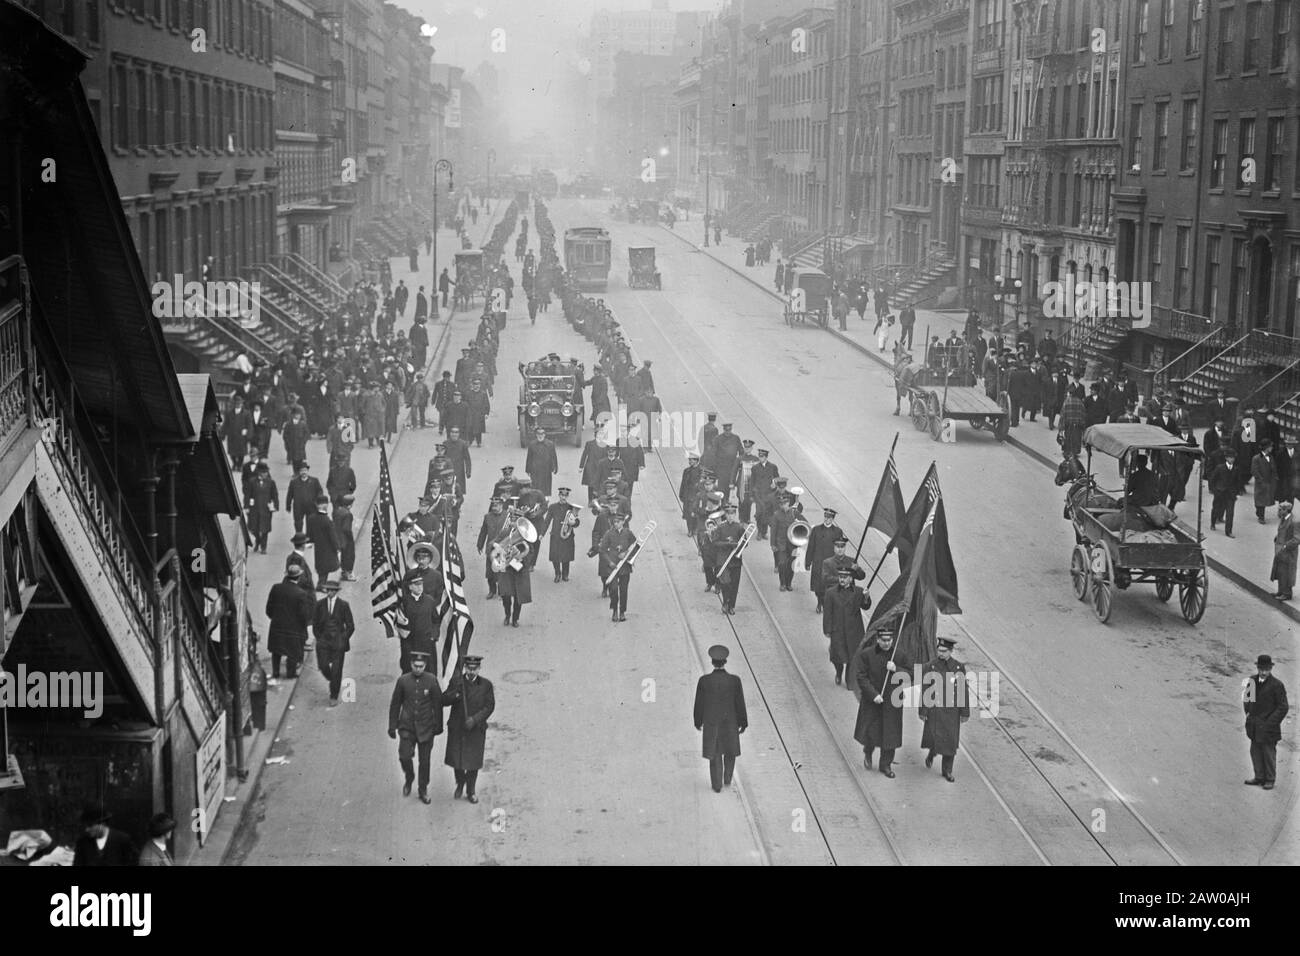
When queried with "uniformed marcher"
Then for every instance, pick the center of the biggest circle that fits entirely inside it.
(821, 545)
(708, 515)
(762, 478)
(720, 714)
(843, 605)
(614, 546)
(727, 572)
(415, 719)
(943, 706)
(541, 461)
(419, 619)
(488, 532)
(880, 709)
(472, 701)
(515, 583)
(686, 490)
(561, 519)
(840, 559)
(782, 549)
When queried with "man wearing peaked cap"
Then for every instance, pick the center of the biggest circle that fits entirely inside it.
(761, 487)
(730, 561)
(415, 717)
(844, 603)
(721, 717)
(687, 488)
(472, 700)
(821, 545)
(944, 706)
(708, 436)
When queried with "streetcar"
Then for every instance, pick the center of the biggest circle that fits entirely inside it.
(586, 257)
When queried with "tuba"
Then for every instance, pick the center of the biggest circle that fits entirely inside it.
(798, 533)
(510, 548)
(570, 520)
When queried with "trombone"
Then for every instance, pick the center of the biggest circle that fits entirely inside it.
(632, 552)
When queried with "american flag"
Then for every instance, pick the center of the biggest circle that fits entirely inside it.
(387, 502)
(460, 628)
(385, 597)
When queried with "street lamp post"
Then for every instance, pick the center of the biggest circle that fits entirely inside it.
(442, 165)
(1006, 290)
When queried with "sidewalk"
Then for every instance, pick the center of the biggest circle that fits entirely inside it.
(1245, 559)
(265, 570)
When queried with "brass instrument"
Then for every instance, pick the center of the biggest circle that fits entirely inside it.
(632, 552)
(569, 522)
(417, 540)
(713, 520)
(509, 550)
(798, 534)
(724, 571)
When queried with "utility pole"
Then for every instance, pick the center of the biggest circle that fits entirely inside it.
(442, 165)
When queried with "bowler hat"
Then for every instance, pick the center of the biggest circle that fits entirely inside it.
(1264, 661)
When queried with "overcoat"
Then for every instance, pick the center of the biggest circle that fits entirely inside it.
(560, 548)
(333, 630)
(238, 430)
(516, 584)
(1265, 712)
(289, 609)
(263, 499)
(325, 543)
(942, 732)
(821, 545)
(541, 464)
(372, 413)
(473, 702)
(879, 725)
(295, 441)
(1263, 471)
(1285, 545)
(842, 620)
(720, 713)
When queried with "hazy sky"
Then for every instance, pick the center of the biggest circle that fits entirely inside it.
(541, 44)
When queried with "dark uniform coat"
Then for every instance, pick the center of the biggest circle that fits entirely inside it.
(842, 620)
(416, 707)
(560, 548)
(422, 620)
(289, 609)
(516, 584)
(720, 713)
(879, 725)
(943, 723)
(821, 545)
(469, 702)
(488, 532)
(592, 453)
(727, 449)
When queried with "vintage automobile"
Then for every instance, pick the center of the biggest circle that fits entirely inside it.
(647, 211)
(550, 397)
(641, 271)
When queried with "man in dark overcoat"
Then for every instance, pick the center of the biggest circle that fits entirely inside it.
(842, 619)
(686, 489)
(324, 541)
(415, 719)
(1285, 545)
(821, 545)
(488, 532)
(289, 609)
(301, 496)
(761, 479)
(1266, 704)
(419, 620)
(541, 461)
(236, 428)
(262, 499)
(727, 449)
(472, 701)
(880, 710)
(944, 706)
(333, 627)
(720, 714)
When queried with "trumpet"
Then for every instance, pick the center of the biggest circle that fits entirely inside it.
(510, 549)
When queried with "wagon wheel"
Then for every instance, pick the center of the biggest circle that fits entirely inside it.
(1079, 571)
(920, 417)
(936, 416)
(1193, 593)
(1003, 426)
(978, 423)
(1103, 587)
(1164, 587)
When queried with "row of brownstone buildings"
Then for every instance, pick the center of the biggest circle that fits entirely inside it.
(954, 143)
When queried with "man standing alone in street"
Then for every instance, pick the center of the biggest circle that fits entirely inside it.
(415, 717)
(1266, 705)
(1285, 545)
(720, 714)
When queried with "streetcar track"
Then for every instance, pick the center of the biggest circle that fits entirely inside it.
(1006, 731)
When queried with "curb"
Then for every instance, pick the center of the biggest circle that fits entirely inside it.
(1236, 577)
(255, 767)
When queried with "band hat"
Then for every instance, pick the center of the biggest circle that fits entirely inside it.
(426, 500)
(718, 652)
(844, 572)
(948, 642)
(748, 442)
(829, 512)
(763, 452)
(618, 516)
(693, 456)
(563, 491)
(497, 500)
(419, 655)
(840, 540)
